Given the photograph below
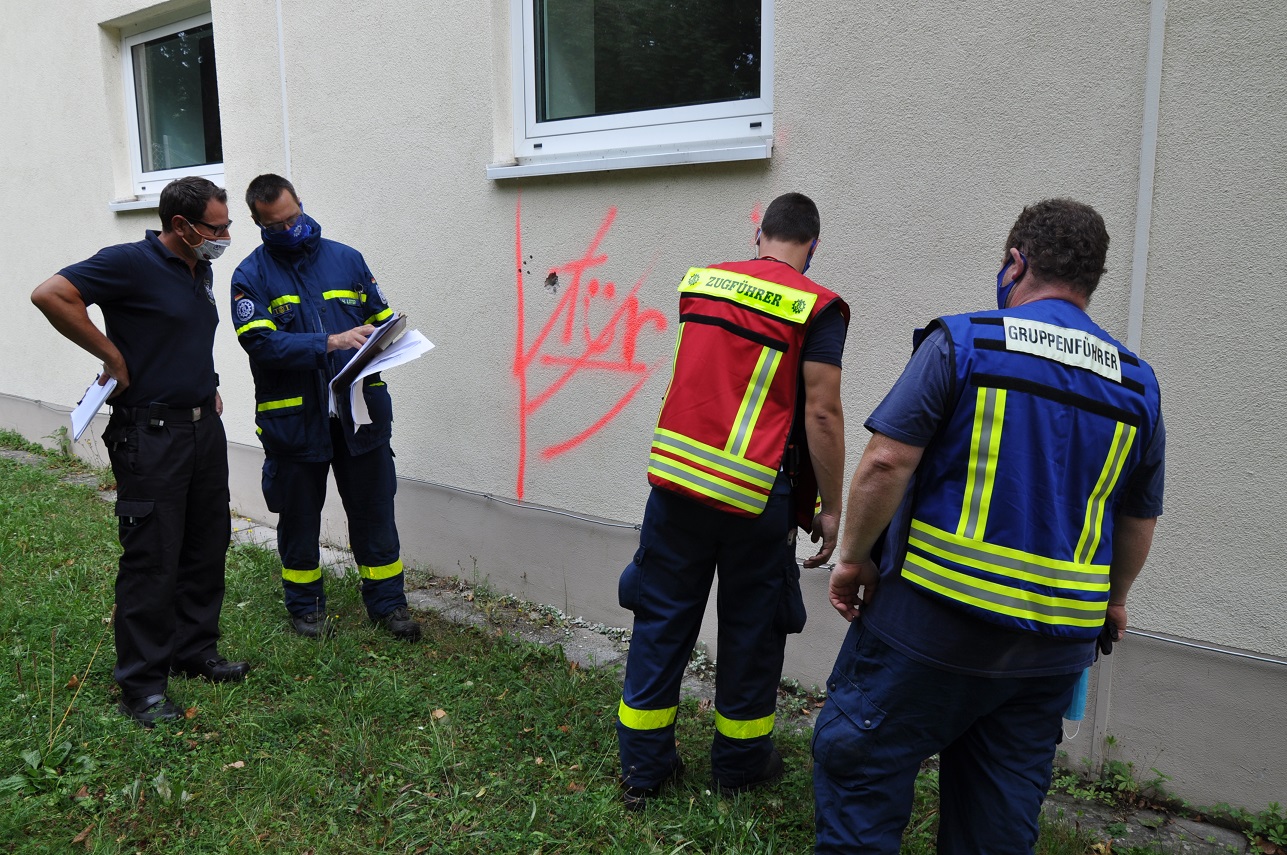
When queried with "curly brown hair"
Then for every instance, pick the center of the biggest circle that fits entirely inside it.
(1063, 240)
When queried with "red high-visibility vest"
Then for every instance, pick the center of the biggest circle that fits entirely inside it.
(724, 424)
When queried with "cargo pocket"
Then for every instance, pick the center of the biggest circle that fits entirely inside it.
(791, 614)
(271, 485)
(846, 738)
(138, 532)
(631, 580)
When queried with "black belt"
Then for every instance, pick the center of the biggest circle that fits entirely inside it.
(157, 415)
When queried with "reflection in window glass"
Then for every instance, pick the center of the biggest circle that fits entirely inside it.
(177, 93)
(597, 57)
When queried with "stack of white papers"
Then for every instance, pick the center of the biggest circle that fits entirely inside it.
(389, 346)
(89, 405)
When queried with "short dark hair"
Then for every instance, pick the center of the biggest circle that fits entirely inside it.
(188, 197)
(1063, 240)
(266, 189)
(791, 217)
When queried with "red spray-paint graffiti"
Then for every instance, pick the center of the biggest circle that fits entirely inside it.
(609, 348)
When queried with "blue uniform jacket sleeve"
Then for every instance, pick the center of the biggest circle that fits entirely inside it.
(377, 310)
(258, 333)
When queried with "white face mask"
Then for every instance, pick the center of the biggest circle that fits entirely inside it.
(209, 250)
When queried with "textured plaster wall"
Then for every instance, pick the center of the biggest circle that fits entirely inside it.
(1213, 327)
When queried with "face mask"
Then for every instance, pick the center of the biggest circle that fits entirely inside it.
(209, 250)
(1003, 291)
(809, 258)
(293, 237)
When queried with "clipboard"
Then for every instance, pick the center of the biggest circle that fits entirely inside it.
(378, 342)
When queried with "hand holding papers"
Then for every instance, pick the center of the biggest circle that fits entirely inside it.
(389, 346)
(89, 405)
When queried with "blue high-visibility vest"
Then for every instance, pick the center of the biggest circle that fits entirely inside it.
(1015, 498)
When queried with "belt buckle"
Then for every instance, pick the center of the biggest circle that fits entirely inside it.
(196, 414)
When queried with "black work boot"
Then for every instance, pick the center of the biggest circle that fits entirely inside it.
(401, 624)
(216, 670)
(313, 625)
(636, 799)
(772, 771)
(149, 710)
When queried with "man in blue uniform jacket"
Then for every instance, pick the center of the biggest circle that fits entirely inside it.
(1000, 513)
(302, 306)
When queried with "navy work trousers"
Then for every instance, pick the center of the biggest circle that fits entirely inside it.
(296, 491)
(681, 544)
(886, 713)
(174, 526)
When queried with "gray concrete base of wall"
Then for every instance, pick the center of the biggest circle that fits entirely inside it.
(1214, 723)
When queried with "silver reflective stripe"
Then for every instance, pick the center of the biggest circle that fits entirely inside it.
(686, 449)
(755, 399)
(1033, 606)
(981, 483)
(987, 559)
(1116, 455)
(662, 467)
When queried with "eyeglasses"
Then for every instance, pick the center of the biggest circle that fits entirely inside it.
(214, 230)
(282, 225)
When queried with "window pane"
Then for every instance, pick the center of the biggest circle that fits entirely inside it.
(177, 93)
(596, 57)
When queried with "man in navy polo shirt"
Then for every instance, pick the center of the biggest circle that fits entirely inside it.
(165, 439)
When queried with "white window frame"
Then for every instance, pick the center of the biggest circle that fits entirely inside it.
(703, 133)
(147, 185)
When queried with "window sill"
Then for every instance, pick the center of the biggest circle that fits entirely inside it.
(635, 158)
(134, 203)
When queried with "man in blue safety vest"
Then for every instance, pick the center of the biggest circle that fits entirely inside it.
(1001, 510)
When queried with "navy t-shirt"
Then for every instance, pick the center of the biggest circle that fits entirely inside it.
(159, 314)
(824, 342)
(928, 629)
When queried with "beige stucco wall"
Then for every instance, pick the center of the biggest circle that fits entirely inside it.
(920, 130)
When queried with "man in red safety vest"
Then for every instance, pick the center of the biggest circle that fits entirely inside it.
(750, 442)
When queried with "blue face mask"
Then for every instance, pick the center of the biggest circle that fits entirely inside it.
(1003, 291)
(808, 260)
(305, 227)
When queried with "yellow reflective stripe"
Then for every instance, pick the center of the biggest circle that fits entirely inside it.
(757, 391)
(1003, 599)
(716, 458)
(281, 301)
(253, 324)
(339, 295)
(301, 577)
(386, 571)
(645, 719)
(1093, 528)
(747, 729)
(989, 415)
(773, 298)
(280, 404)
(677, 472)
(1006, 561)
(380, 316)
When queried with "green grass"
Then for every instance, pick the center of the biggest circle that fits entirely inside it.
(471, 741)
